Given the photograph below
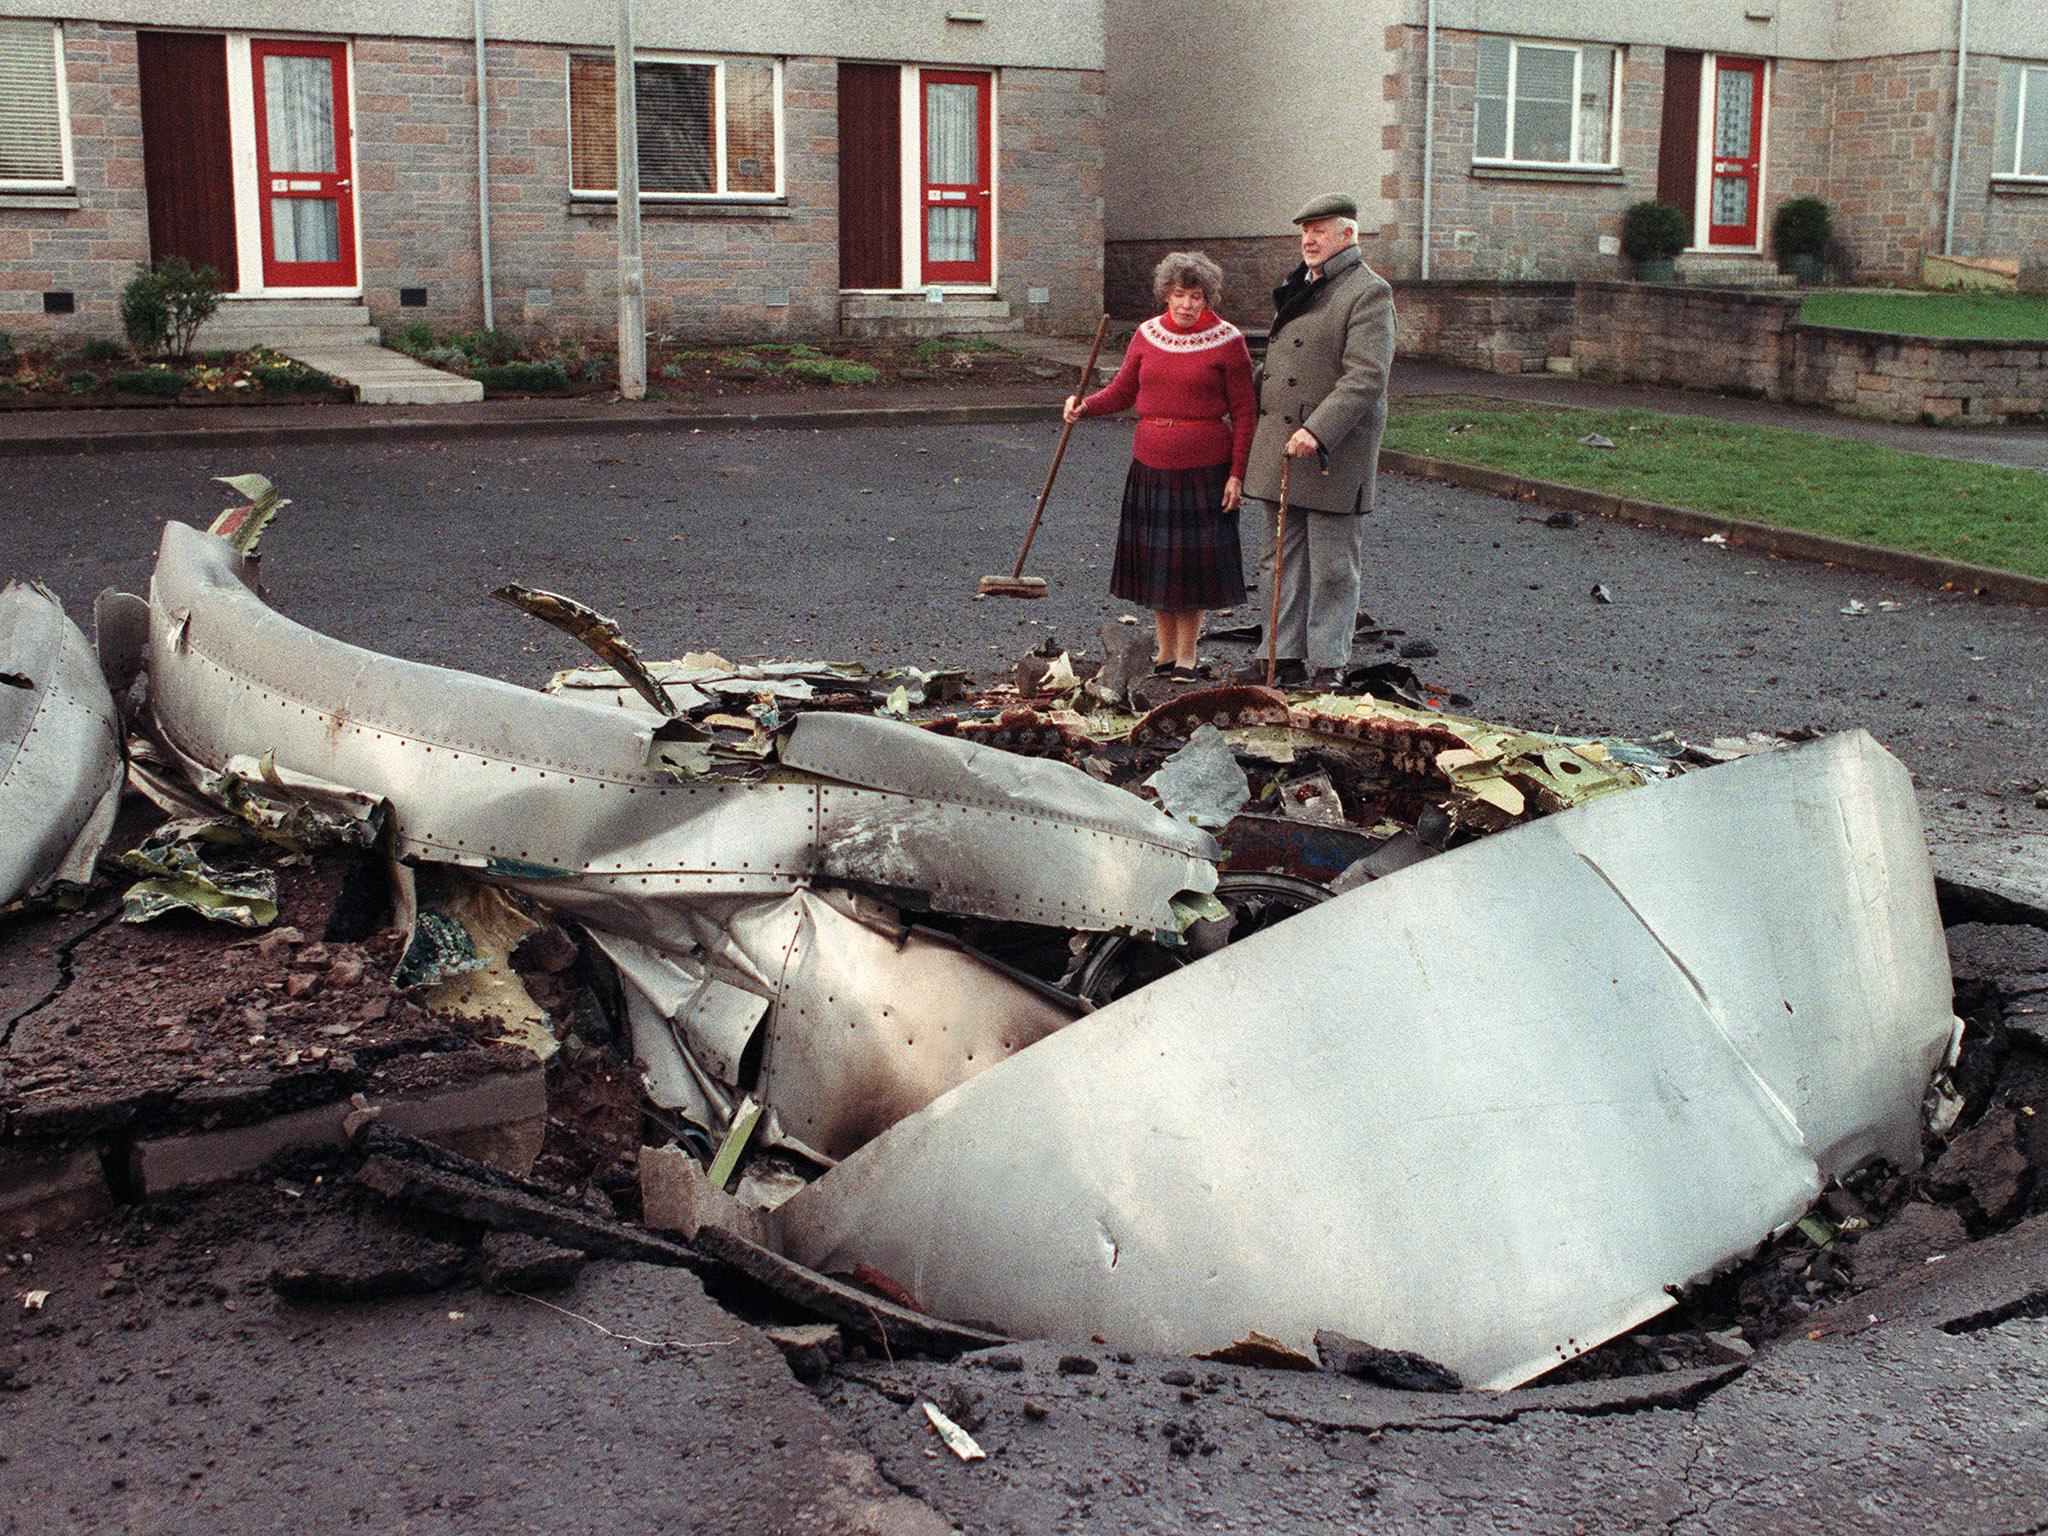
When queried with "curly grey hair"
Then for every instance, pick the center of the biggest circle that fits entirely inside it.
(1188, 269)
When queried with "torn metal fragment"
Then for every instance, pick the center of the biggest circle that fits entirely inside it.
(1747, 1000)
(601, 634)
(177, 879)
(243, 526)
(60, 748)
(1202, 783)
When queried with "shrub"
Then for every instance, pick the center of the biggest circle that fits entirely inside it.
(165, 383)
(414, 338)
(524, 378)
(1802, 227)
(1653, 231)
(490, 347)
(164, 306)
(83, 382)
(833, 370)
(105, 349)
(288, 378)
(6, 346)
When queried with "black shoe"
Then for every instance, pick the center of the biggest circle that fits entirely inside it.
(1326, 679)
(1161, 668)
(1288, 674)
(1185, 675)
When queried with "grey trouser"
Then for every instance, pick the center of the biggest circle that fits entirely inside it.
(1318, 584)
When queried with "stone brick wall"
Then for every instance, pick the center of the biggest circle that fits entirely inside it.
(1889, 160)
(1498, 327)
(712, 272)
(91, 250)
(1490, 223)
(1996, 219)
(1049, 137)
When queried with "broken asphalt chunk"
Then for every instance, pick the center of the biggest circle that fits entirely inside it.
(1400, 1369)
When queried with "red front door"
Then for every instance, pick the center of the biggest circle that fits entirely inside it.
(959, 210)
(1738, 145)
(305, 184)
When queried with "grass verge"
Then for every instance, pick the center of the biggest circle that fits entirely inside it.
(1970, 316)
(1979, 513)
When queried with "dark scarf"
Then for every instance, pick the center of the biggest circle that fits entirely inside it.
(1298, 294)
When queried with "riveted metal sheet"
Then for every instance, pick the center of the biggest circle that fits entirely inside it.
(483, 773)
(991, 833)
(872, 1026)
(60, 750)
(1430, 1114)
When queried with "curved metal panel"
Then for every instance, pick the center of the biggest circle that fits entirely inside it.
(1486, 1108)
(60, 747)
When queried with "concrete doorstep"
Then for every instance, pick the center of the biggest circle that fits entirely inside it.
(380, 375)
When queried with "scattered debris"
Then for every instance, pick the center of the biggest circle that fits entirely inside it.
(1417, 650)
(1202, 783)
(957, 1440)
(1564, 518)
(178, 880)
(1400, 1369)
(1854, 608)
(1601, 593)
(1596, 440)
(1715, 538)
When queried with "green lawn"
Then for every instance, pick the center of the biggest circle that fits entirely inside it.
(1975, 512)
(1975, 316)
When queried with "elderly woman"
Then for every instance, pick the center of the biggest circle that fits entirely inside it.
(1190, 376)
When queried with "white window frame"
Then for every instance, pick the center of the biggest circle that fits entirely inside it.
(69, 181)
(1575, 163)
(719, 194)
(2028, 68)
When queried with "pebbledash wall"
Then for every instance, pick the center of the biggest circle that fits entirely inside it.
(721, 271)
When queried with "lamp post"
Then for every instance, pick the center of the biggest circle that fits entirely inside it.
(632, 271)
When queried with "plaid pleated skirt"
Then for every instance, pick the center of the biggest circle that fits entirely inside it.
(1176, 548)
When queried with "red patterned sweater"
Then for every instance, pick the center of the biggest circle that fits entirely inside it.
(1184, 382)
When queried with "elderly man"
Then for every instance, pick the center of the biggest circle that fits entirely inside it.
(1322, 403)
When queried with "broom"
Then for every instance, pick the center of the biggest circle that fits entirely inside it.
(1017, 584)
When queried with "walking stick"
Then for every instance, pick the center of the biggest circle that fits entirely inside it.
(1279, 544)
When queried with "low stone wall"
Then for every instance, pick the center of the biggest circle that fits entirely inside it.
(1754, 344)
(1920, 378)
(1500, 327)
(1684, 337)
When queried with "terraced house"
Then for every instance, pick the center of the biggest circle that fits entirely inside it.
(805, 165)
(1504, 138)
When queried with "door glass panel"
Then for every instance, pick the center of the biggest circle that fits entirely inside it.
(298, 101)
(1731, 201)
(1734, 102)
(950, 234)
(1543, 104)
(305, 229)
(952, 145)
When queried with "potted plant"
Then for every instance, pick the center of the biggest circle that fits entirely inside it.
(1652, 233)
(1800, 232)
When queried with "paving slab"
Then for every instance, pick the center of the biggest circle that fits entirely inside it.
(380, 375)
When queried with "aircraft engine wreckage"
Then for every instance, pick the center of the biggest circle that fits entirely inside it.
(60, 748)
(1486, 1107)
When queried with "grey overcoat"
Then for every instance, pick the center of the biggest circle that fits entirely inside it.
(1326, 367)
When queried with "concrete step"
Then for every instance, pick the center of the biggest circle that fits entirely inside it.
(243, 323)
(380, 376)
(914, 314)
(1712, 271)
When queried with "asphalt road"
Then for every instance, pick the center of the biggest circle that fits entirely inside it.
(868, 544)
(1917, 1409)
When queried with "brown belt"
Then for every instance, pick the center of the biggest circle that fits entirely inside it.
(1178, 421)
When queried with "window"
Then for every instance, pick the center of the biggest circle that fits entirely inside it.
(2022, 120)
(1547, 104)
(35, 151)
(708, 127)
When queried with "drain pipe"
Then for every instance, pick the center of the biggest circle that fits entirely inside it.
(1429, 125)
(483, 170)
(1955, 143)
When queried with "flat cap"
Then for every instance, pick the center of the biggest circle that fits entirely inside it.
(1333, 206)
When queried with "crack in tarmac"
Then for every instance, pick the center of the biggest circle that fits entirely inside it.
(63, 981)
(1684, 1399)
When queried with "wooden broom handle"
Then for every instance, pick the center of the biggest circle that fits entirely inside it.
(1067, 431)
